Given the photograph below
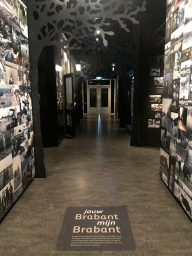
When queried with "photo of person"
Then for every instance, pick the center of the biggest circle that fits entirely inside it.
(6, 143)
(165, 140)
(6, 199)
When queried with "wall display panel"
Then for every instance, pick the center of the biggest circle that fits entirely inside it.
(16, 122)
(176, 133)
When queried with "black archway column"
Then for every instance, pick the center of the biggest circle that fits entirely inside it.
(139, 133)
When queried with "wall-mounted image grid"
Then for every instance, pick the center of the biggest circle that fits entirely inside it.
(16, 121)
(177, 102)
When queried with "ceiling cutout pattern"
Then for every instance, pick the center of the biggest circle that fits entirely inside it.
(72, 21)
(96, 63)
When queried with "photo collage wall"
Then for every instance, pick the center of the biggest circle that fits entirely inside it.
(16, 122)
(176, 126)
(155, 98)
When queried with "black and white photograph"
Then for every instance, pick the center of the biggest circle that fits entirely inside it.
(154, 123)
(178, 17)
(177, 65)
(17, 173)
(164, 160)
(12, 5)
(166, 113)
(176, 39)
(190, 93)
(155, 72)
(6, 199)
(186, 54)
(165, 140)
(158, 81)
(184, 88)
(156, 107)
(187, 34)
(158, 115)
(186, 69)
(5, 95)
(13, 117)
(16, 142)
(184, 172)
(26, 149)
(175, 102)
(19, 129)
(168, 86)
(188, 11)
(181, 196)
(26, 167)
(3, 120)
(155, 98)
(6, 171)
(6, 143)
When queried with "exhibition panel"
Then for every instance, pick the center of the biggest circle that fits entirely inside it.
(16, 121)
(176, 127)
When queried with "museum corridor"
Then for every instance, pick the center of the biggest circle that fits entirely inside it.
(98, 168)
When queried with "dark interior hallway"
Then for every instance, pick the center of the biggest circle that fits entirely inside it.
(98, 168)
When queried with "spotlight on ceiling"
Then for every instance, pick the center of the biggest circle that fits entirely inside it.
(98, 32)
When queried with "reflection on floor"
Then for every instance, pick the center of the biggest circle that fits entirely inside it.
(98, 168)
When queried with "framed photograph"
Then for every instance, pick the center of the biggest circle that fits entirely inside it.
(155, 98)
(156, 107)
(155, 72)
(159, 81)
(154, 123)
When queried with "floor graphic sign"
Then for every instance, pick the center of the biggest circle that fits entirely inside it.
(96, 229)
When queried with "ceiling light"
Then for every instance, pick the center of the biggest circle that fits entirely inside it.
(78, 67)
(98, 32)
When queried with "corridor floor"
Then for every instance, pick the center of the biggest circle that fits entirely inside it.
(98, 168)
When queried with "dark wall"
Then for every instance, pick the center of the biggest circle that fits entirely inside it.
(47, 92)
